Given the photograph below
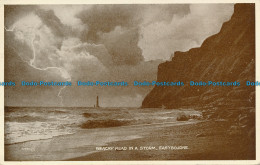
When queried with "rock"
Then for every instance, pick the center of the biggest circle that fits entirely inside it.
(182, 118)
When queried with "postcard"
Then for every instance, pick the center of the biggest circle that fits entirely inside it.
(129, 82)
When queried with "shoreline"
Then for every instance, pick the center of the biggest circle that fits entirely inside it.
(206, 140)
(124, 126)
(81, 143)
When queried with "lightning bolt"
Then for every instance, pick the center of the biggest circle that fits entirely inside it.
(63, 71)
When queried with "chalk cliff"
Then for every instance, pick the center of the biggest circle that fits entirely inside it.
(227, 56)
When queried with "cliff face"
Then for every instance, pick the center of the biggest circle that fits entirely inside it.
(228, 56)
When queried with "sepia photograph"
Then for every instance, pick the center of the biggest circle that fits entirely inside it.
(129, 82)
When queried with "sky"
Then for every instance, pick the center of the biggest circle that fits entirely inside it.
(98, 43)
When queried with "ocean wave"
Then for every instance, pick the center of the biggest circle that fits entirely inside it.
(88, 115)
(17, 140)
(30, 124)
(24, 119)
(104, 123)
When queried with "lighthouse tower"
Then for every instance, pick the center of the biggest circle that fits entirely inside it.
(97, 105)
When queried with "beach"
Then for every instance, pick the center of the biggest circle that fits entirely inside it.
(178, 140)
(206, 140)
(66, 133)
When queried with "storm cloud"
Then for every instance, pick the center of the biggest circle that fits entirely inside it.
(98, 43)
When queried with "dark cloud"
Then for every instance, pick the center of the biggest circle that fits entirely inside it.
(104, 18)
(117, 27)
(98, 43)
(122, 45)
(12, 13)
(99, 51)
(52, 21)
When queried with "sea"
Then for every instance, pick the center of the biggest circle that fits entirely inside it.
(34, 124)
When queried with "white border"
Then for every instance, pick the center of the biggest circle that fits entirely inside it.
(27, 2)
(1, 80)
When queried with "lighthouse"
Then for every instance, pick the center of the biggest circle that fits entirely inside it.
(97, 105)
